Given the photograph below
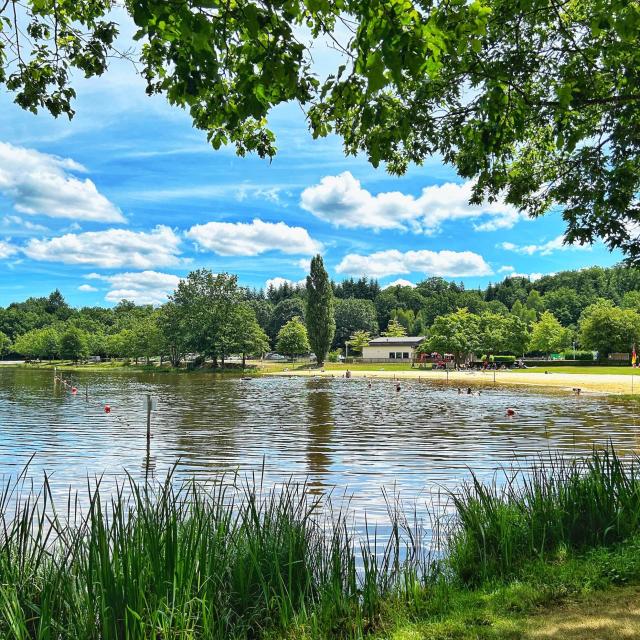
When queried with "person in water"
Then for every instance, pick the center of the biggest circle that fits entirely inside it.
(469, 392)
(397, 386)
(347, 374)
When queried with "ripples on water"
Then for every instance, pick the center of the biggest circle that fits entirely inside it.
(338, 434)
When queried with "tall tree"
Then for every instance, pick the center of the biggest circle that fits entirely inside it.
(320, 318)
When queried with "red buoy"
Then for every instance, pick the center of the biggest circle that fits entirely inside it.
(107, 408)
(511, 412)
(74, 390)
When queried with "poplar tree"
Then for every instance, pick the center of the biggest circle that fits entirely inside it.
(320, 319)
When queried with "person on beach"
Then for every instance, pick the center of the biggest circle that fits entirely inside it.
(347, 374)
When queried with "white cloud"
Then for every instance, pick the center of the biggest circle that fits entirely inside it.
(342, 201)
(86, 288)
(434, 263)
(252, 239)
(40, 183)
(277, 282)
(506, 269)
(545, 249)
(7, 250)
(530, 276)
(304, 264)
(400, 282)
(143, 287)
(17, 221)
(111, 249)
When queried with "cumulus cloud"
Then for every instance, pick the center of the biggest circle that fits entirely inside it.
(433, 263)
(530, 276)
(87, 288)
(7, 250)
(142, 287)
(252, 238)
(400, 282)
(277, 282)
(110, 249)
(545, 249)
(506, 268)
(342, 201)
(40, 183)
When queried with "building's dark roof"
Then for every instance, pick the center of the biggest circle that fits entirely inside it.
(408, 341)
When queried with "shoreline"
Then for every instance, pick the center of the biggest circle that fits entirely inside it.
(607, 384)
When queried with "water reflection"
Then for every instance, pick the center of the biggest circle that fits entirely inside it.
(320, 426)
(336, 433)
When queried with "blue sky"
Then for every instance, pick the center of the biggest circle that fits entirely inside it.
(128, 197)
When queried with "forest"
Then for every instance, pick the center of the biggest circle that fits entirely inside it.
(592, 309)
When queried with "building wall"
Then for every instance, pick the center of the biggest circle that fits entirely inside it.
(384, 351)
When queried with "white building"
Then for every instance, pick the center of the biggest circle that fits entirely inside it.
(392, 349)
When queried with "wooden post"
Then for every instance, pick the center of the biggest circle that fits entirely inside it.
(86, 392)
(148, 417)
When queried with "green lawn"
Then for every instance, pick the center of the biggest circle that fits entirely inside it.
(624, 371)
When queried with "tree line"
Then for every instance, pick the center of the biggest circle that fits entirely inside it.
(213, 316)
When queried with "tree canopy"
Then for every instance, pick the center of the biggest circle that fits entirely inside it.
(535, 101)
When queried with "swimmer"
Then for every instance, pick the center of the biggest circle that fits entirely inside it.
(469, 392)
(459, 391)
(369, 384)
(577, 391)
(511, 412)
(398, 386)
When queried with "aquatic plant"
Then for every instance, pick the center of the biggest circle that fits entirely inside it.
(558, 504)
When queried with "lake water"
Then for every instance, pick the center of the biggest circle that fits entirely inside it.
(338, 434)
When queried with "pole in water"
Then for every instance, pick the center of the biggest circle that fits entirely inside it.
(86, 392)
(148, 417)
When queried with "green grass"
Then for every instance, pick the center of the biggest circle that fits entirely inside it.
(228, 560)
(578, 370)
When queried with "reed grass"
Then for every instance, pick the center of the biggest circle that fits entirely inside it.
(232, 560)
(179, 560)
(559, 504)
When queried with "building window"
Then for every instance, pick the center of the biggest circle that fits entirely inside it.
(405, 356)
(398, 355)
(392, 356)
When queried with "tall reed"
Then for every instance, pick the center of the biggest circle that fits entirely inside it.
(178, 560)
(558, 504)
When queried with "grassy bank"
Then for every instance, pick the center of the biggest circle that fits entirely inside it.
(178, 560)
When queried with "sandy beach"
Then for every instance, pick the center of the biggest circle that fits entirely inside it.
(588, 383)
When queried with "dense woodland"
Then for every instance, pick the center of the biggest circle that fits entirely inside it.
(211, 315)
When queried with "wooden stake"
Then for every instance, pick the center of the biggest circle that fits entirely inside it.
(148, 417)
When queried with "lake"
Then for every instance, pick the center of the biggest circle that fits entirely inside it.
(339, 435)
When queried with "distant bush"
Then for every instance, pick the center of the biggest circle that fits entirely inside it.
(334, 356)
(579, 355)
(503, 359)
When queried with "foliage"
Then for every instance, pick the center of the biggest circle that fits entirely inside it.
(363, 289)
(284, 311)
(535, 103)
(456, 333)
(73, 344)
(352, 315)
(250, 338)
(206, 302)
(292, 339)
(606, 329)
(5, 344)
(499, 333)
(359, 340)
(584, 356)
(320, 318)
(334, 356)
(395, 329)
(560, 505)
(548, 335)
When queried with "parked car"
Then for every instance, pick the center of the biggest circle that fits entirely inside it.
(275, 356)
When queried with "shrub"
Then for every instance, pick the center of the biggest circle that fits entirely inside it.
(585, 356)
(334, 356)
(503, 359)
